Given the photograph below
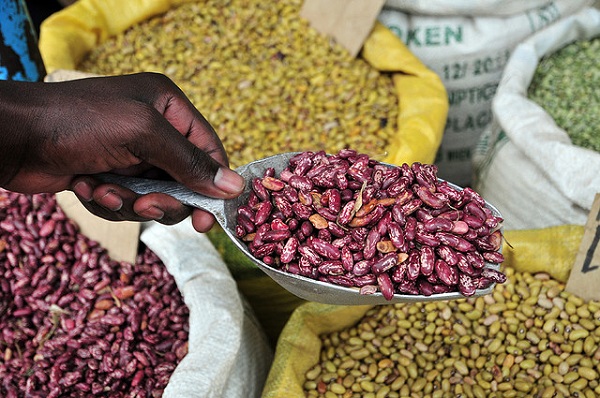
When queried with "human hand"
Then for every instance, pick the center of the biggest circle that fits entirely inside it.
(56, 136)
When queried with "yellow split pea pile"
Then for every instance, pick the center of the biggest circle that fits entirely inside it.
(529, 338)
(262, 77)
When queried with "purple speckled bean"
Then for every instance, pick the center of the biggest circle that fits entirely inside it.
(425, 288)
(427, 260)
(361, 267)
(285, 175)
(408, 287)
(341, 280)
(410, 228)
(446, 253)
(411, 206)
(384, 263)
(263, 211)
(413, 265)
(493, 257)
(363, 280)
(383, 223)
(438, 224)
(465, 267)
(346, 213)
(263, 250)
(301, 183)
(426, 238)
(385, 286)
(466, 285)
(342, 241)
(452, 193)
(325, 249)
(310, 254)
(446, 273)
(434, 200)
(472, 220)
(370, 248)
(397, 237)
(335, 200)
(324, 234)
(399, 273)
(398, 215)
(390, 177)
(246, 224)
(331, 267)
(441, 288)
(301, 211)
(475, 259)
(276, 235)
(483, 283)
(470, 195)
(260, 191)
(347, 258)
(453, 214)
(397, 187)
(335, 230)
(286, 208)
(454, 241)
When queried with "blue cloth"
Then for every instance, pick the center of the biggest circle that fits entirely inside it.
(19, 54)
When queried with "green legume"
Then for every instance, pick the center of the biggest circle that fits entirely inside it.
(566, 85)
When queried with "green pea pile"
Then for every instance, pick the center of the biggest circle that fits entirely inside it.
(265, 80)
(567, 85)
(529, 338)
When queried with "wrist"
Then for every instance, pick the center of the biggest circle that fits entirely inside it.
(19, 114)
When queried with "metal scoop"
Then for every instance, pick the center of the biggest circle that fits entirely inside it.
(225, 212)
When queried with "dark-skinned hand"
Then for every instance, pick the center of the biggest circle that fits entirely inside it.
(56, 136)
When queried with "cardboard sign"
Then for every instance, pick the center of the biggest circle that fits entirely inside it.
(120, 239)
(584, 280)
(349, 22)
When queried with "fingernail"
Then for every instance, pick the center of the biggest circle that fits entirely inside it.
(153, 213)
(83, 190)
(112, 201)
(229, 181)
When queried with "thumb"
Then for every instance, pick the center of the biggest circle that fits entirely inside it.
(195, 167)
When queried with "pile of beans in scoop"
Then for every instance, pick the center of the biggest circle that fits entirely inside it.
(75, 323)
(352, 221)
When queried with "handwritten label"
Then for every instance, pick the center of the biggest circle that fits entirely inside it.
(584, 279)
(349, 22)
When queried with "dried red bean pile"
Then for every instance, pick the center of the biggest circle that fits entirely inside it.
(349, 220)
(74, 322)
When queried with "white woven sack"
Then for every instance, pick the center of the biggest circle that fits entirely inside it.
(468, 44)
(465, 7)
(526, 165)
(228, 354)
